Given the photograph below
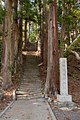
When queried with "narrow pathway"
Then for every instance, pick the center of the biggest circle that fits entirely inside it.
(31, 84)
(30, 105)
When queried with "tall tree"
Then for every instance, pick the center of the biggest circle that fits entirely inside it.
(63, 27)
(52, 80)
(15, 34)
(44, 32)
(20, 33)
(7, 53)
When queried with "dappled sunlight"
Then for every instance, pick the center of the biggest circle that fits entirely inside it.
(24, 53)
(32, 53)
(8, 93)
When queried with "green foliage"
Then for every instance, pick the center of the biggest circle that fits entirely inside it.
(72, 14)
(33, 32)
(33, 37)
(29, 10)
(67, 53)
(59, 15)
(2, 14)
(69, 17)
(49, 1)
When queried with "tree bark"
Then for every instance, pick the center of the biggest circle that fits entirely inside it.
(7, 53)
(15, 34)
(55, 52)
(45, 33)
(26, 41)
(50, 57)
(20, 38)
(52, 79)
(62, 29)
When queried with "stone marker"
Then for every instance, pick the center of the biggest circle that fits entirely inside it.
(63, 97)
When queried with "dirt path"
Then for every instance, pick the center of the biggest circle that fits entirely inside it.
(30, 104)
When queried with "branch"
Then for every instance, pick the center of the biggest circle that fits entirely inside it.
(75, 42)
(72, 46)
(76, 54)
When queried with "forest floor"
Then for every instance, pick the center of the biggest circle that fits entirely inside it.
(74, 90)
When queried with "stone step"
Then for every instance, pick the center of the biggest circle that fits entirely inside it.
(28, 93)
(20, 97)
(28, 80)
(32, 84)
(32, 87)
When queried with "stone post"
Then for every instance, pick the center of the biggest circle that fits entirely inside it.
(63, 97)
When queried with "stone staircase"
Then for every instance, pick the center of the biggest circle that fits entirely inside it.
(31, 86)
(29, 91)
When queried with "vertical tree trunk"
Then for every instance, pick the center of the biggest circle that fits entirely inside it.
(15, 34)
(20, 36)
(55, 78)
(7, 53)
(29, 29)
(26, 41)
(50, 58)
(20, 42)
(62, 29)
(45, 34)
(52, 81)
